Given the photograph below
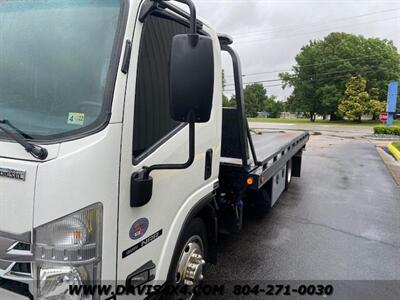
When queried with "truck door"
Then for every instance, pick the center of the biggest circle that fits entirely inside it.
(147, 235)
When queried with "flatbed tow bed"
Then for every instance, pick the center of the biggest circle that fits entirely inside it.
(255, 168)
(274, 150)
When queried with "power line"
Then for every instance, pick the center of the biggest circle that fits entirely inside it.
(266, 86)
(312, 65)
(306, 80)
(296, 26)
(258, 81)
(338, 77)
(267, 72)
(316, 75)
(311, 32)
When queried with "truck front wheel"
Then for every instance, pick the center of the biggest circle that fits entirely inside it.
(186, 270)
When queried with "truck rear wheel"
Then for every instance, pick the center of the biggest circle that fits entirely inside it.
(288, 174)
(186, 270)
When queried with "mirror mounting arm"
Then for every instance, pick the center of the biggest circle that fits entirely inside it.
(148, 170)
(142, 182)
(193, 15)
(151, 5)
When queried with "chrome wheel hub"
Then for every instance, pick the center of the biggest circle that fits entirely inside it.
(289, 173)
(190, 265)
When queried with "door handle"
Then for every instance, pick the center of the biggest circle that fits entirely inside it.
(208, 166)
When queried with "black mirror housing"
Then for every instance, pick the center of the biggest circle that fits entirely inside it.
(191, 78)
(141, 190)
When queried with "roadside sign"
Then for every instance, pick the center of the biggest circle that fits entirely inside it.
(383, 117)
(392, 96)
(392, 100)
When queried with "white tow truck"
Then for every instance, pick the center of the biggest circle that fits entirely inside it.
(118, 163)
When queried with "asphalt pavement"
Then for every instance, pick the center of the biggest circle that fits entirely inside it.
(340, 221)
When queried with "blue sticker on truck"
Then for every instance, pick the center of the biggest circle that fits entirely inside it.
(139, 228)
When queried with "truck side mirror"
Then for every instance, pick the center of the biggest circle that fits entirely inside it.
(191, 78)
(141, 190)
(191, 93)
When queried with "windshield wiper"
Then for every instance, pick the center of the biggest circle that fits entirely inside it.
(20, 137)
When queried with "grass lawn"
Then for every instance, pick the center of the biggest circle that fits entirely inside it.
(306, 121)
(397, 145)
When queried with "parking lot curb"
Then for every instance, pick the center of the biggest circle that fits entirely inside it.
(394, 151)
(391, 164)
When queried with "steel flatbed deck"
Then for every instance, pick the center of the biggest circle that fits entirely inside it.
(273, 150)
(268, 145)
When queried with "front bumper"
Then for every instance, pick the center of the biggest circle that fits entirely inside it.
(15, 255)
(13, 290)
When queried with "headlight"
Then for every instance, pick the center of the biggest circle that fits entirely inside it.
(68, 252)
(54, 282)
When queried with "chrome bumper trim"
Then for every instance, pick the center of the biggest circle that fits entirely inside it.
(15, 251)
(23, 237)
(7, 244)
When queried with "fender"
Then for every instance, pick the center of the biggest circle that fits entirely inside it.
(204, 208)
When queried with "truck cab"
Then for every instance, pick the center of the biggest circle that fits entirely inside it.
(111, 135)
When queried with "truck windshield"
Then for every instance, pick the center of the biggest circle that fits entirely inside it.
(54, 63)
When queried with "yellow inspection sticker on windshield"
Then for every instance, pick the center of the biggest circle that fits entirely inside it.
(76, 118)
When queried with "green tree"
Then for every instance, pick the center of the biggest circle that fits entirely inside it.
(328, 95)
(255, 96)
(225, 99)
(356, 101)
(274, 107)
(323, 67)
(226, 102)
(375, 106)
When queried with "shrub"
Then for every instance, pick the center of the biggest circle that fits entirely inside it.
(395, 130)
(379, 129)
(390, 130)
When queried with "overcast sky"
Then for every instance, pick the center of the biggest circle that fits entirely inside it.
(269, 33)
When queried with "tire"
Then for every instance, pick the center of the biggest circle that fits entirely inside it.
(289, 176)
(192, 241)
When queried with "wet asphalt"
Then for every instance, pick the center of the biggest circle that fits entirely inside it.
(340, 221)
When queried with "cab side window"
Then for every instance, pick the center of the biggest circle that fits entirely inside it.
(152, 120)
